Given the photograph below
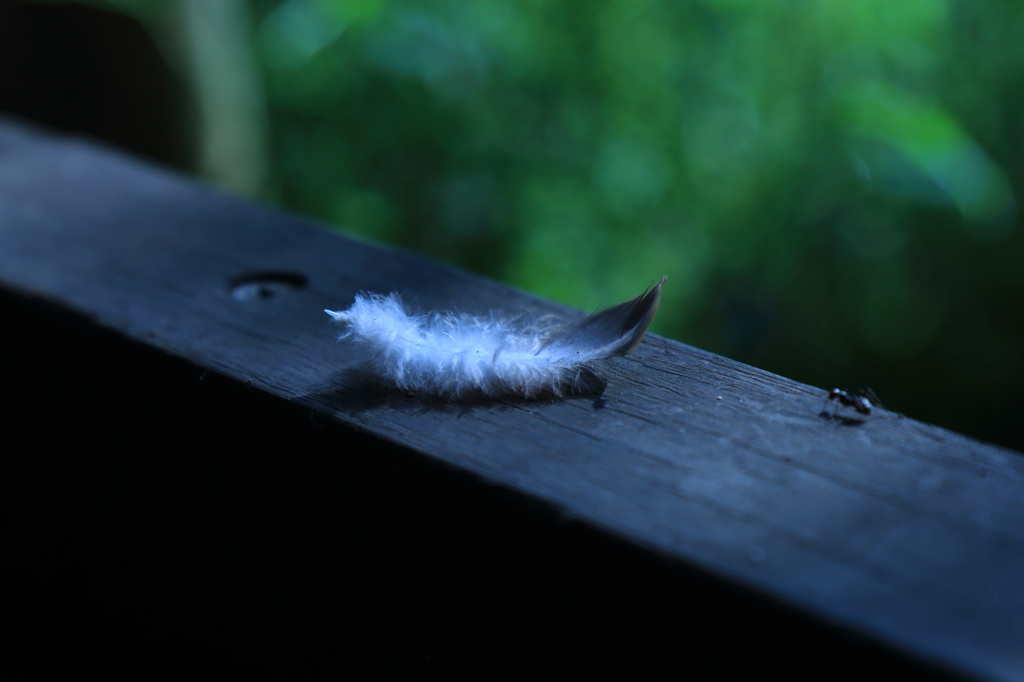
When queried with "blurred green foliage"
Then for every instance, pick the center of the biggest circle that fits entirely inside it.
(830, 185)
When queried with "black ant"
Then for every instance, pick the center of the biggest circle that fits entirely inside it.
(862, 400)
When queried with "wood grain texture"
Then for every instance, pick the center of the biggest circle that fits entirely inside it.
(894, 528)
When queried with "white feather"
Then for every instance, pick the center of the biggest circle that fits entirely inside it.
(458, 356)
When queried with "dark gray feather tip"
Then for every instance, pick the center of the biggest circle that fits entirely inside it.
(614, 331)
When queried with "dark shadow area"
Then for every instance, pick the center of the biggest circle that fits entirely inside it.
(842, 420)
(353, 390)
(80, 69)
(357, 389)
(162, 522)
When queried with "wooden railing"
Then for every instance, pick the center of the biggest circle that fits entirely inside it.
(202, 478)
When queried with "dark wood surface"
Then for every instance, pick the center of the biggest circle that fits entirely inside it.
(899, 530)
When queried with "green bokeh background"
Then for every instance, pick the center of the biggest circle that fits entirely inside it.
(831, 186)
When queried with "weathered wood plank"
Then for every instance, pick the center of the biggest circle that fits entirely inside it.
(897, 529)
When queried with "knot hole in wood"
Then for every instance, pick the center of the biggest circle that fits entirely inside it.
(255, 286)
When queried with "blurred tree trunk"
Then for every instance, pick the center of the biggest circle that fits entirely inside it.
(216, 53)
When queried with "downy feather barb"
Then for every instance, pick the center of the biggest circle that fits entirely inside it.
(458, 356)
